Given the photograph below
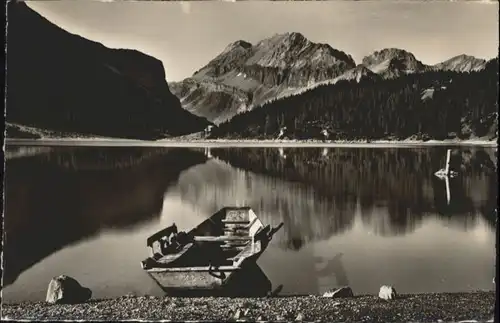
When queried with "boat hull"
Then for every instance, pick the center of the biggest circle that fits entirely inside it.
(249, 281)
(190, 279)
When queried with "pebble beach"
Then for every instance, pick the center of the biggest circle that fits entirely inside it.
(443, 307)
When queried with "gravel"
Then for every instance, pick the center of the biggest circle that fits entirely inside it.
(415, 308)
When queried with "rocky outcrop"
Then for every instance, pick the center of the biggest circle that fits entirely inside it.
(357, 74)
(462, 63)
(76, 85)
(393, 62)
(66, 290)
(245, 75)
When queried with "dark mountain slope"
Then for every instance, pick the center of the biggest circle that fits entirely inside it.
(60, 81)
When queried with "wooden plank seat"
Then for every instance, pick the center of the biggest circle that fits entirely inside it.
(238, 233)
(229, 221)
(228, 247)
(222, 238)
(236, 243)
(246, 223)
(236, 228)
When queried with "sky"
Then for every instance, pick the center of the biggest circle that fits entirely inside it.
(187, 35)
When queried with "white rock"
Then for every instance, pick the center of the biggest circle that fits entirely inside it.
(238, 314)
(345, 291)
(387, 292)
(66, 290)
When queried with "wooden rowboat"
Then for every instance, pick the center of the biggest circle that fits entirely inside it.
(210, 258)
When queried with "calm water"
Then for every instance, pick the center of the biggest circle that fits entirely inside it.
(361, 217)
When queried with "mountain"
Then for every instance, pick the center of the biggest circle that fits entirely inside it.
(427, 105)
(63, 82)
(393, 62)
(462, 63)
(245, 75)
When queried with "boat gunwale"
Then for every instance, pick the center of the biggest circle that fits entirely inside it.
(194, 269)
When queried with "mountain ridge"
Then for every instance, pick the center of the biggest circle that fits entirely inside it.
(461, 106)
(245, 75)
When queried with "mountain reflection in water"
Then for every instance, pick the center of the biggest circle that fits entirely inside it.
(315, 191)
(352, 216)
(59, 197)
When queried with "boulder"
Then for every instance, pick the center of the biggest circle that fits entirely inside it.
(387, 293)
(345, 291)
(238, 314)
(67, 290)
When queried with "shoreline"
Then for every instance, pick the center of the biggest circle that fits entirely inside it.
(475, 306)
(105, 142)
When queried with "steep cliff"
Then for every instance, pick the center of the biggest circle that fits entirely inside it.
(60, 81)
(245, 75)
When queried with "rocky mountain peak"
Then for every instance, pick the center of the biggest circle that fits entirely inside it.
(392, 62)
(462, 63)
(294, 50)
(389, 53)
(244, 75)
(290, 39)
(238, 45)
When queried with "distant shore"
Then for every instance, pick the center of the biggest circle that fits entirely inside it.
(447, 307)
(111, 142)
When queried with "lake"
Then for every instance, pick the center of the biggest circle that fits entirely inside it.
(362, 217)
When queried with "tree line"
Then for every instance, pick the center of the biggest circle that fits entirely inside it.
(461, 105)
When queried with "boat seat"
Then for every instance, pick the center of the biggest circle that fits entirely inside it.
(229, 247)
(222, 238)
(246, 223)
(235, 221)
